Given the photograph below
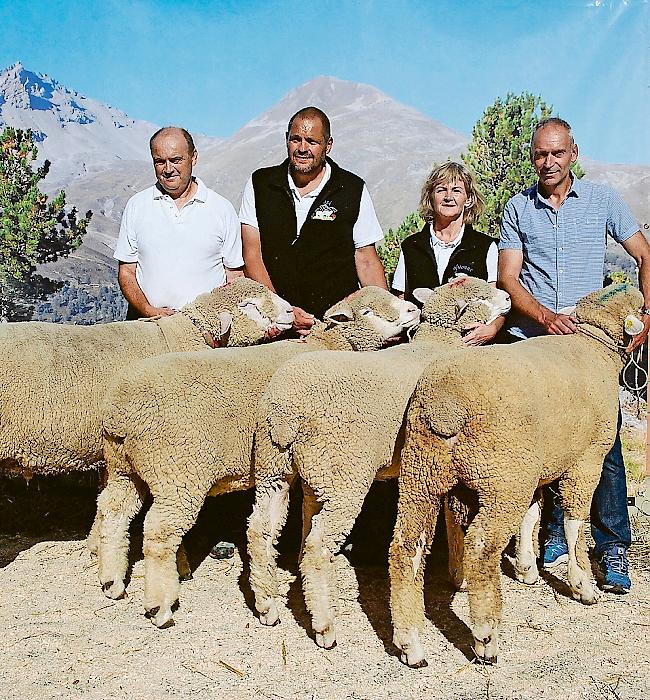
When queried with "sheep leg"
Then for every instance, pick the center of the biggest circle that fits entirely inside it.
(456, 547)
(164, 527)
(485, 541)
(117, 505)
(264, 527)
(328, 531)
(416, 523)
(576, 490)
(310, 507)
(525, 560)
(92, 541)
(182, 564)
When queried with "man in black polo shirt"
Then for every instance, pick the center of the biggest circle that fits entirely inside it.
(309, 227)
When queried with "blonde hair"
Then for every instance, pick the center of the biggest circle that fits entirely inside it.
(452, 172)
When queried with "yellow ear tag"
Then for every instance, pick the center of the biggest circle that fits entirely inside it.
(632, 325)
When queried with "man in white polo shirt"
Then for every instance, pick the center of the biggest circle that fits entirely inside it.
(309, 227)
(178, 238)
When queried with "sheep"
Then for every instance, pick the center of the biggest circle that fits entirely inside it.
(182, 426)
(54, 376)
(339, 433)
(501, 423)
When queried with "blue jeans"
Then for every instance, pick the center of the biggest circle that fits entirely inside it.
(610, 524)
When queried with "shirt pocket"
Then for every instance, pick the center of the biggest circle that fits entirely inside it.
(587, 229)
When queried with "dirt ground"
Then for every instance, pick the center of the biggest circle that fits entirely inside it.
(63, 639)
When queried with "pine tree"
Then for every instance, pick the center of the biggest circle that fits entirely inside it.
(32, 230)
(499, 153)
(390, 248)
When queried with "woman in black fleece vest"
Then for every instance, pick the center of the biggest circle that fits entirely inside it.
(448, 245)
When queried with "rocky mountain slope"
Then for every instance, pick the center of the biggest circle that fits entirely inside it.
(100, 155)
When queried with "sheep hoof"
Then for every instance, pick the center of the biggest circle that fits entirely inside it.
(422, 663)
(486, 648)
(326, 639)
(114, 590)
(271, 617)
(162, 619)
(528, 576)
(185, 577)
(488, 661)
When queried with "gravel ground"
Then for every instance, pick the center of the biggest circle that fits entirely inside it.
(63, 639)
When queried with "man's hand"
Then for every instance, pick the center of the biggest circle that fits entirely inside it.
(560, 324)
(638, 340)
(481, 334)
(302, 321)
(159, 311)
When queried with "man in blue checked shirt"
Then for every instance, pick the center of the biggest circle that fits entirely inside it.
(551, 253)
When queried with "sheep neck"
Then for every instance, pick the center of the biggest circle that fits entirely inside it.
(181, 332)
(601, 337)
(443, 335)
(346, 336)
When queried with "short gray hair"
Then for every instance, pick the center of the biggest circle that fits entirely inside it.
(551, 121)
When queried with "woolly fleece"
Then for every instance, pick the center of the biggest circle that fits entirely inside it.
(501, 421)
(183, 425)
(339, 433)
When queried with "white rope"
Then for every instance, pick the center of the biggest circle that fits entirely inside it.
(635, 358)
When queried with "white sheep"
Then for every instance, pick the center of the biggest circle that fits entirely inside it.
(502, 421)
(182, 425)
(338, 433)
(54, 376)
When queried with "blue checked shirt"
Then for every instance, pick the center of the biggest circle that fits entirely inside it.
(564, 249)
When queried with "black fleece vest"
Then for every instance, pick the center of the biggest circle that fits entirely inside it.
(315, 269)
(470, 258)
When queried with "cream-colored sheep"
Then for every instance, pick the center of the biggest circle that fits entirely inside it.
(502, 421)
(54, 376)
(183, 425)
(339, 433)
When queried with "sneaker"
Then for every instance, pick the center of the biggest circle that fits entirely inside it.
(614, 569)
(555, 551)
(223, 550)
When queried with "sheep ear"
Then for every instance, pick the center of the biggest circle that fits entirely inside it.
(422, 294)
(338, 316)
(225, 319)
(461, 305)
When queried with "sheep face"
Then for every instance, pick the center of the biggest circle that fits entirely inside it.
(376, 308)
(462, 301)
(614, 309)
(254, 309)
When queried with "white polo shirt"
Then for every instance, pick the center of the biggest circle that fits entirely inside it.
(366, 229)
(181, 253)
(442, 252)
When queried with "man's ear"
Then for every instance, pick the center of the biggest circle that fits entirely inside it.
(330, 143)
(195, 157)
(574, 153)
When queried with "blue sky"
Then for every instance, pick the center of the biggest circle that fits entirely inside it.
(214, 65)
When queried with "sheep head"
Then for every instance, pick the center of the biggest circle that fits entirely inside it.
(462, 301)
(369, 317)
(614, 309)
(242, 313)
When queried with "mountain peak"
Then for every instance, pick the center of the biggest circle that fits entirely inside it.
(25, 90)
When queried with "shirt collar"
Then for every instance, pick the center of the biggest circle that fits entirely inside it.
(200, 195)
(436, 242)
(574, 191)
(313, 193)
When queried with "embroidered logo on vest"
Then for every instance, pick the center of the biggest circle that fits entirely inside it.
(325, 212)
